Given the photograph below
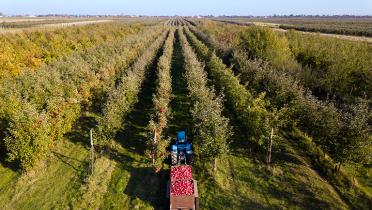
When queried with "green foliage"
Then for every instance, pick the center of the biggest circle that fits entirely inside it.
(335, 129)
(30, 50)
(28, 138)
(157, 144)
(123, 97)
(331, 67)
(224, 36)
(264, 43)
(355, 141)
(336, 67)
(211, 129)
(56, 94)
(342, 133)
(250, 111)
(344, 184)
(339, 132)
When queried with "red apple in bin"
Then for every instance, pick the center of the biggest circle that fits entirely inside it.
(181, 172)
(182, 187)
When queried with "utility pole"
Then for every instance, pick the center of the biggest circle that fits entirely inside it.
(92, 151)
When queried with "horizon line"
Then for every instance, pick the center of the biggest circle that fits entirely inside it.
(208, 15)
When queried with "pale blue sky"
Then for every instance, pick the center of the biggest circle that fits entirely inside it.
(189, 7)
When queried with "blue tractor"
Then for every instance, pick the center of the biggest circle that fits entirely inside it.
(181, 150)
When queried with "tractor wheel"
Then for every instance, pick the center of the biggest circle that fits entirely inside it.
(174, 159)
(190, 159)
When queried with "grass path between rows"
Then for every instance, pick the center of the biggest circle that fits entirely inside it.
(54, 185)
(180, 105)
(243, 180)
(133, 184)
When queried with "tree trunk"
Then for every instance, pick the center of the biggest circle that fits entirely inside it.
(215, 164)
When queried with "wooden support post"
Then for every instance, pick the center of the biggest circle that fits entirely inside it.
(92, 151)
(154, 147)
(270, 147)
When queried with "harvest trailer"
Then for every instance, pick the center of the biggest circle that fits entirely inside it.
(182, 189)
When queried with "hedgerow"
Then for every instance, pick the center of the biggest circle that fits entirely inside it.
(38, 108)
(251, 111)
(31, 50)
(339, 133)
(122, 98)
(157, 143)
(342, 133)
(211, 129)
(331, 68)
(339, 130)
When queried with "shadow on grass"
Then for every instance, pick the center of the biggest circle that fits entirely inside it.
(134, 134)
(14, 165)
(180, 104)
(80, 132)
(141, 186)
(287, 187)
(240, 141)
(68, 160)
(303, 198)
(147, 186)
(285, 157)
(144, 186)
(143, 183)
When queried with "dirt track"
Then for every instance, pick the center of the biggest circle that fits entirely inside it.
(275, 27)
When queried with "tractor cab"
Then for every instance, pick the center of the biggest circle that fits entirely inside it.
(181, 150)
